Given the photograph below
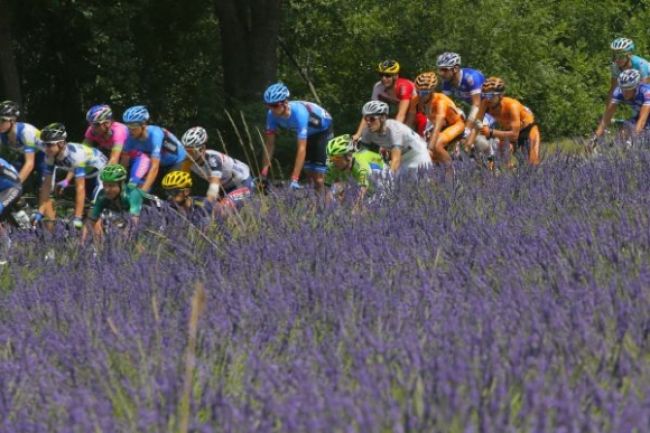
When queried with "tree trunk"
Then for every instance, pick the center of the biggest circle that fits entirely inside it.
(249, 37)
(8, 68)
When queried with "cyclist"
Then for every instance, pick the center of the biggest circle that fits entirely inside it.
(313, 126)
(229, 179)
(103, 131)
(22, 139)
(116, 195)
(10, 187)
(150, 147)
(408, 151)
(516, 121)
(177, 186)
(447, 120)
(345, 162)
(623, 59)
(395, 91)
(632, 92)
(84, 161)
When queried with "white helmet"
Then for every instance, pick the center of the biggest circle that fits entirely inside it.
(374, 108)
(448, 60)
(622, 44)
(195, 137)
(629, 79)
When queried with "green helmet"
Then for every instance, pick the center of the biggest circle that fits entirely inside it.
(113, 173)
(341, 145)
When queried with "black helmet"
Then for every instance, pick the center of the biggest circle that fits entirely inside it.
(9, 109)
(53, 132)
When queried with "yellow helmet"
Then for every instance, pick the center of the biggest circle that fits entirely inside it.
(177, 180)
(388, 67)
(426, 81)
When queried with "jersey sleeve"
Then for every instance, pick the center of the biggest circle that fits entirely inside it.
(30, 136)
(135, 201)
(617, 96)
(474, 82)
(376, 91)
(98, 207)
(88, 135)
(157, 136)
(216, 163)
(271, 123)
(120, 134)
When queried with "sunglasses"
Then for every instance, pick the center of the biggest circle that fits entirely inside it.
(490, 95)
(445, 69)
(51, 143)
(370, 119)
(6, 119)
(619, 56)
(171, 193)
(387, 75)
(133, 125)
(423, 93)
(98, 124)
(276, 105)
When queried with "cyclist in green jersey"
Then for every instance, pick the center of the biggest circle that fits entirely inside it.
(116, 196)
(344, 161)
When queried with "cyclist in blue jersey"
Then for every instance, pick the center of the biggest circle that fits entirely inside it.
(630, 91)
(22, 140)
(10, 187)
(150, 147)
(623, 59)
(313, 127)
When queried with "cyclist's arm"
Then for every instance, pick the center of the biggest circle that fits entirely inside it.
(474, 109)
(151, 175)
(515, 126)
(301, 153)
(643, 118)
(438, 121)
(124, 159)
(607, 117)
(402, 109)
(27, 168)
(269, 144)
(80, 196)
(45, 202)
(410, 115)
(357, 135)
(395, 159)
(474, 126)
(115, 154)
(612, 86)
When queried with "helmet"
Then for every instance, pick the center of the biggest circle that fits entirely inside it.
(113, 173)
(374, 107)
(341, 145)
(622, 44)
(99, 113)
(136, 114)
(388, 67)
(53, 132)
(9, 109)
(176, 180)
(195, 137)
(629, 79)
(426, 81)
(493, 85)
(275, 93)
(448, 60)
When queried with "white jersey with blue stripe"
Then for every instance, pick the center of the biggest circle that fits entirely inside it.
(82, 160)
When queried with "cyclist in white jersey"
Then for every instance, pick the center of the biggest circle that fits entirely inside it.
(85, 161)
(230, 179)
(408, 151)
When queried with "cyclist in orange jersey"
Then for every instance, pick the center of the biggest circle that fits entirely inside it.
(519, 130)
(447, 120)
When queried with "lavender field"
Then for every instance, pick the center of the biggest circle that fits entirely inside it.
(511, 303)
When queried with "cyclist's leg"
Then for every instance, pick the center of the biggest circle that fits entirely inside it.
(534, 142)
(316, 159)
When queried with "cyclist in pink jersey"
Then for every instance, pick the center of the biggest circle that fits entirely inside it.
(109, 136)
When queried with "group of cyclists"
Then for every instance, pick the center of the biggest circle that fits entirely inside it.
(436, 117)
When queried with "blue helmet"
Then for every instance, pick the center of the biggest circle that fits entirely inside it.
(99, 113)
(136, 114)
(275, 93)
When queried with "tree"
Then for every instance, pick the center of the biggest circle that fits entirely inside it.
(249, 37)
(8, 68)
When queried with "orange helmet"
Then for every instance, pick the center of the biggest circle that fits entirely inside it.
(426, 81)
(493, 85)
